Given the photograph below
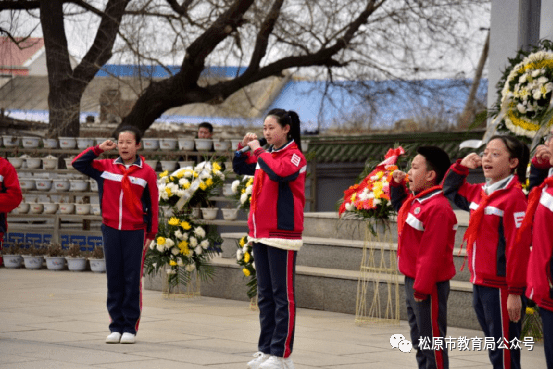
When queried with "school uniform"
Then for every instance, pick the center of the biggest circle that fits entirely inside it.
(10, 195)
(276, 224)
(129, 204)
(426, 237)
(497, 263)
(540, 267)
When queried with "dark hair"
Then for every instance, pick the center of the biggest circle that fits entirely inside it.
(516, 150)
(131, 129)
(436, 160)
(290, 118)
(206, 125)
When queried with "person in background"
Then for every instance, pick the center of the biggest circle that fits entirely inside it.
(10, 195)
(537, 226)
(205, 130)
(426, 236)
(497, 260)
(275, 226)
(128, 193)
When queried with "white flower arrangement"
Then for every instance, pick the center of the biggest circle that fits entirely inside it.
(527, 94)
(242, 191)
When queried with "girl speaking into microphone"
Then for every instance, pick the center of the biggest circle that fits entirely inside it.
(275, 225)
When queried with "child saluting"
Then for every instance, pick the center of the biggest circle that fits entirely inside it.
(426, 236)
(128, 193)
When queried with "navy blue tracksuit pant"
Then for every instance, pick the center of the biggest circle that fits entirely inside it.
(428, 319)
(547, 320)
(490, 305)
(276, 271)
(124, 253)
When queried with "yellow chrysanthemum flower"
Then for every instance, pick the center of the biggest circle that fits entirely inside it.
(172, 263)
(168, 190)
(186, 186)
(246, 272)
(161, 240)
(203, 186)
(171, 178)
(209, 182)
(353, 197)
(247, 257)
(243, 190)
(185, 225)
(529, 311)
(216, 166)
(173, 221)
(242, 241)
(164, 174)
(183, 246)
(180, 174)
(195, 175)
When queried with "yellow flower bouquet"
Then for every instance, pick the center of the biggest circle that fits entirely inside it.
(185, 246)
(244, 258)
(189, 186)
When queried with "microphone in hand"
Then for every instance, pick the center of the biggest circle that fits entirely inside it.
(262, 142)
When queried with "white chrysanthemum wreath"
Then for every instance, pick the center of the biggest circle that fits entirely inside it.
(527, 94)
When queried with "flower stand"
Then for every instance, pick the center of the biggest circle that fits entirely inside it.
(378, 284)
(55, 262)
(189, 290)
(12, 261)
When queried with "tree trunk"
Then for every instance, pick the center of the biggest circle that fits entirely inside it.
(467, 117)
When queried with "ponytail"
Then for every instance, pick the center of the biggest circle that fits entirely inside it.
(291, 119)
(516, 150)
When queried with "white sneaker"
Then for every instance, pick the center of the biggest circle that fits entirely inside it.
(127, 338)
(275, 362)
(113, 337)
(259, 359)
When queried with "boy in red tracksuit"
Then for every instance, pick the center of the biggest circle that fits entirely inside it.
(128, 193)
(426, 236)
(537, 225)
(10, 195)
(496, 259)
(275, 226)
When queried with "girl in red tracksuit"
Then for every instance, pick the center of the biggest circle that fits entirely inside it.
(275, 225)
(10, 195)
(128, 193)
(537, 226)
(497, 262)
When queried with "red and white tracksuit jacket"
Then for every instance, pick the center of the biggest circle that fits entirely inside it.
(495, 259)
(10, 194)
(540, 267)
(108, 173)
(278, 195)
(427, 240)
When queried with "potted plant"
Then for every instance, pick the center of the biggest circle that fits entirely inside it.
(97, 261)
(76, 261)
(12, 256)
(55, 257)
(33, 256)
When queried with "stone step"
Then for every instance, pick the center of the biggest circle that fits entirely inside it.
(342, 254)
(330, 290)
(327, 224)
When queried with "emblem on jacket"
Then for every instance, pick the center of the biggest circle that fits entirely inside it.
(295, 160)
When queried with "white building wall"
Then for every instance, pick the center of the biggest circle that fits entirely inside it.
(546, 24)
(503, 41)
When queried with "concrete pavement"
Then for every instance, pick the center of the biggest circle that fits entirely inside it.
(58, 319)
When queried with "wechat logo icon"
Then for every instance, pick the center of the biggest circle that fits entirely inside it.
(398, 341)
